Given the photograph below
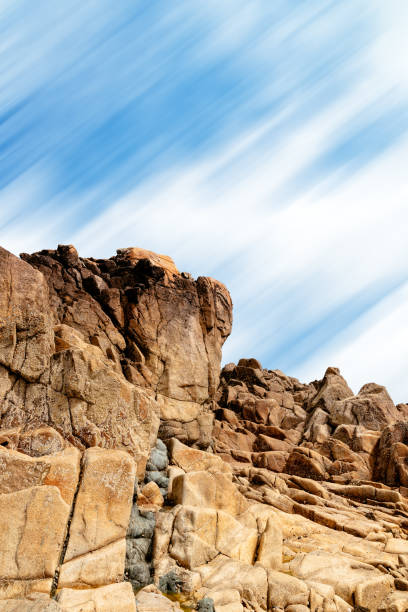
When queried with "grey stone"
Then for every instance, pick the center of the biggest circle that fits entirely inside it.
(160, 445)
(158, 460)
(206, 605)
(170, 582)
(141, 524)
(138, 574)
(159, 478)
(138, 549)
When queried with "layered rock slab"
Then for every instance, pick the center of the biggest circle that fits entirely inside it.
(31, 491)
(110, 598)
(56, 511)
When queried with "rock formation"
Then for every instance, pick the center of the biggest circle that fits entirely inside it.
(137, 476)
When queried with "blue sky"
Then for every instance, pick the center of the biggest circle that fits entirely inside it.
(262, 143)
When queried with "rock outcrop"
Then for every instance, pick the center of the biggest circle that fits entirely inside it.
(135, 476)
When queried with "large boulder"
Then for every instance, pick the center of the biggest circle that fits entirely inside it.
(391, 463)
(331, 389)
(103, 503)
(343, 573)
(203, 489)
(250, 581)
(372, 407)
(34, 491)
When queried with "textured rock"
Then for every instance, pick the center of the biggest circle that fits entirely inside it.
(23, 589)
(26, 338)
(150, 599)
(285, 590)
(270, 546)
(192, 460)
(97, 568)
(369, 593)
(93, 402)
(37, 496)
(30, 605)
(251, 582)
(94, 349)
(207, 490)
(193, 540)
(390, 461)
(34, 442)
(111, 598)
(28, 547)
(150, 496)
(169, 328)
(54, 380)
(19, 471)
(261, 492)
(341, 572)
(372, 408)
(32, 490)
(333, 452)
(104, 501)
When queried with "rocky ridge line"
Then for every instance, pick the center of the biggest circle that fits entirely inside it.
(229, 491)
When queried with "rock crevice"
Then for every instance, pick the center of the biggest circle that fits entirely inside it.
(54, 585)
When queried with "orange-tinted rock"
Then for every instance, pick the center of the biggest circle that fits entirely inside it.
(150, 497)
(291, 483)
(272, 460)
(372, 407)
(104, 500)
(26, 337)
(391, 457)
(332, 388)
(307, 463)
(161, 329)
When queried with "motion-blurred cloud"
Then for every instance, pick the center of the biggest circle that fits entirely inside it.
(262, 143)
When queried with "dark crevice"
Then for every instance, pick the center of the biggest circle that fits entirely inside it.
(68, 533)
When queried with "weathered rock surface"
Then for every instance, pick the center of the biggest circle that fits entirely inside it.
(134, 476)
(103, 503)
(160, 329)
(64, 526)
(150, 599)
(102, 599)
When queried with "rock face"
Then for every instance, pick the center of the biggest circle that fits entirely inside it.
(92, 353)
(319, 431)
(63, 524)
(135, 476)
(132, 328)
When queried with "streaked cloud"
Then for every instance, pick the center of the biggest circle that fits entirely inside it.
(262, 143)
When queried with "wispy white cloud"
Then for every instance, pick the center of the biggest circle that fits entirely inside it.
(262, 144)
(374, 348)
